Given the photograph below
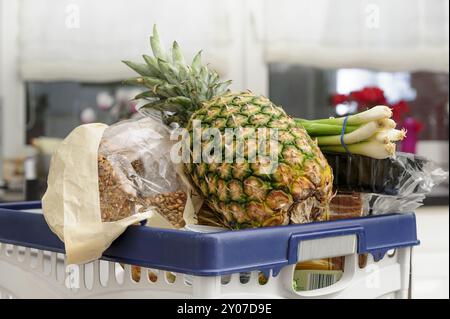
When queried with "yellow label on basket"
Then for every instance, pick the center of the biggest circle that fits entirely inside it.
(308, 279)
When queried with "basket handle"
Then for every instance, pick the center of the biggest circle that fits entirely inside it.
(326, 243)
(351, 264)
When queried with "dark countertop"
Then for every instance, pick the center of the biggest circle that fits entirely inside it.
(11, 196)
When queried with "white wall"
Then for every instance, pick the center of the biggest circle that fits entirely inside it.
(11, 87)
(237, 33)
(238, 36)
(1, 111)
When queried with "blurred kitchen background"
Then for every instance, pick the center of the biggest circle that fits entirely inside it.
(60, 67)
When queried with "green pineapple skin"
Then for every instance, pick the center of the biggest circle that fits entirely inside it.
(244, 197)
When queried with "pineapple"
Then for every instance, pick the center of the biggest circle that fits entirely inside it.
(252, 192)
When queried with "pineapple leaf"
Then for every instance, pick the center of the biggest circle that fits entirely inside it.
(163, 105)
(152, 64)
(169, 72)
(164, 91)
(157, 105)
(146, 95)
(183, 74)
(222, 87)
(213, 78)
(184, 101)
(140, 68)
(203, 87)
(150, 81)
(204, 74)
(134, 81)
(178, 87)
(177, 56)
(155, 43)
(197, 62)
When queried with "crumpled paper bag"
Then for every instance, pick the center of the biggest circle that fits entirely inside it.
(71, 203)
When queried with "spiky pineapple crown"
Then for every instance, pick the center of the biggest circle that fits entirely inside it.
(176, 89)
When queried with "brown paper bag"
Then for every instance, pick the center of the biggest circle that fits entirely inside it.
(71, 204)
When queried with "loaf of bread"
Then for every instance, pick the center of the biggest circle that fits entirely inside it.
(346, 205)
(120, 197)
(135, 172)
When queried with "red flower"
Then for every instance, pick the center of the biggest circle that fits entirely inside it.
(370, 96)
(338, 99)
(357, 96)
(398, 109)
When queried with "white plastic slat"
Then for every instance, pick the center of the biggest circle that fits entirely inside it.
(127, 278)
(112, 276)
(53, 266)
(96, 284)
(27, 256)
(82, 277)
(393, 274)
(15, 252)
(144, 280)
(326, 247)
(40, 261)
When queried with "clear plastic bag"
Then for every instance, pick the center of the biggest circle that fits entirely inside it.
(397, 184)
(413, 186)
(346, 205)
(136, 172)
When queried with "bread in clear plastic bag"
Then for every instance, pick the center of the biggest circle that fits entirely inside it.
(395, 184)
(346, 205)
(135, 172)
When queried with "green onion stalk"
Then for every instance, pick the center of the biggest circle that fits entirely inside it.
(370, 133)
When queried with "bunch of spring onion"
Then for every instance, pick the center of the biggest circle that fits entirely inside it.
(370, 133)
